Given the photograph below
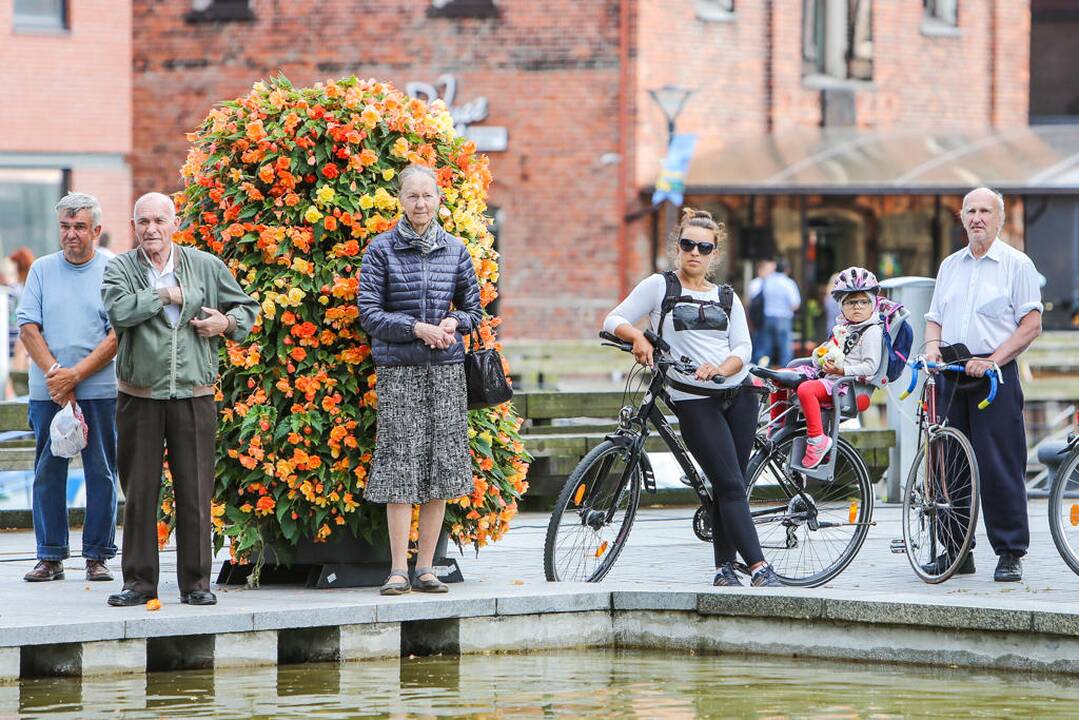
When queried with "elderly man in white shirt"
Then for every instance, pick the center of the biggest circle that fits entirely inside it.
(988, 300)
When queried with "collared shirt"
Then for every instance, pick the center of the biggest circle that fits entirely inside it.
(979, 301)
(163, 280)
(781, 296)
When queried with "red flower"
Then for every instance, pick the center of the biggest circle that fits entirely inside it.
(330, 171)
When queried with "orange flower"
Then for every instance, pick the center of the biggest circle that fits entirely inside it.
(330, 223)
(255, 131)
(266, 174)
(330, 171)
(163, 533)
(298, 353)
(265, 505)
(153, 605)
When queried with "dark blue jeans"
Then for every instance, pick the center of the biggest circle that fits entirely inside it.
(774, 340)
(50, 483)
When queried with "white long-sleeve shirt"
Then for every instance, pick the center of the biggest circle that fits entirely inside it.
(700, 346)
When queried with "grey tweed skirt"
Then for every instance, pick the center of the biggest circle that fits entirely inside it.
(421, 443)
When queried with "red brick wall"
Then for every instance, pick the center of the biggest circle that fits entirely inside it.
(971, 81)
(550, 72)
(70, 91)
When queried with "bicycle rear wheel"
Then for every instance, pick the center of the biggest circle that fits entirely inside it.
(1064, 511)
(593, 515)
(810, 530)
(940, 505)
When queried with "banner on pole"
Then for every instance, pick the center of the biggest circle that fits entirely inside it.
(671, 184)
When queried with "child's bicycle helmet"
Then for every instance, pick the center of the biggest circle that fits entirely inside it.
(853, 280)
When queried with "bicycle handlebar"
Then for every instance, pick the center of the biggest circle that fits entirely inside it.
(682, 365)
(921, 363)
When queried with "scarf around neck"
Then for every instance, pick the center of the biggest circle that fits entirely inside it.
(426, 242)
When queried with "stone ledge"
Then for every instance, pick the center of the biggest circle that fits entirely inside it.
(760, 603)
(652, 600)
(537, 604)
(414, 608)
(953, 617)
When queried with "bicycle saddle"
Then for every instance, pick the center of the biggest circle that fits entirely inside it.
(785, 378)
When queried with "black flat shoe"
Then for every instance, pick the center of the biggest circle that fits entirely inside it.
(129, 598)
(941, 564)
(198, 597)
(1009, 568)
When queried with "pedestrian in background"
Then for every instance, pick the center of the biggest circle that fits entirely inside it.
(170, 305)
(410, 276)
(64, 327)
(780, 297)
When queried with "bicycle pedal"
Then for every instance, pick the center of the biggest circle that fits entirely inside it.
(898, 547)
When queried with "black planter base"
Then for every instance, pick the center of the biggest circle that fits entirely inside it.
(329, 575)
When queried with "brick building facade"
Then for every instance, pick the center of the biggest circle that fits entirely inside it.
(569, 81)
(66, 70)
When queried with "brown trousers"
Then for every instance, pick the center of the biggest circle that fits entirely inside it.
(189, 428)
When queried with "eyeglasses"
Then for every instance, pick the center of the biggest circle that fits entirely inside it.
(704, 248)
(861, 302)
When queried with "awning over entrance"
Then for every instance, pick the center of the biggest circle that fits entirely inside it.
(1030, 160)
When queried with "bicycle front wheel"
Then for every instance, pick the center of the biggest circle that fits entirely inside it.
(1064, 511)
(940, 505)
(593, 515)
(809, 529)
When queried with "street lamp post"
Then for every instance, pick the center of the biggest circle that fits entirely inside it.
(671, 99)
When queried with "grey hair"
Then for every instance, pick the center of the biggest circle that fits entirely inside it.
(415, 169)
(998, 198)
(151, 196)
(73, 202)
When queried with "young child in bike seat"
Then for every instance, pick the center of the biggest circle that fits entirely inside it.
(854, 349)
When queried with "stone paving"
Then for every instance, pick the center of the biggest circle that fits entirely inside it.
(662, 554)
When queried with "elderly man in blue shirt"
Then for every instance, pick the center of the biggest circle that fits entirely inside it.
(987, 299)
(62, 323)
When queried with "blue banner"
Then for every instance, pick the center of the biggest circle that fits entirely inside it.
(671, 184)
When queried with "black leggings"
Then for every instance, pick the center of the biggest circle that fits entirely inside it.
(721, 440)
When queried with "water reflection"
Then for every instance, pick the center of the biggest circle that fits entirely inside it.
(584, 684)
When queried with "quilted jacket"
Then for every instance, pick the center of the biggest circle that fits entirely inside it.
(400, 286)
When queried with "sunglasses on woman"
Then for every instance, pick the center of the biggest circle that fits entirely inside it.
(704, 248)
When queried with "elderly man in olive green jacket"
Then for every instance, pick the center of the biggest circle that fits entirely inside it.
(169, 305)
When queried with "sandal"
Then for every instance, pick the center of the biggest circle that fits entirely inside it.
(434, 585)
(396, 588)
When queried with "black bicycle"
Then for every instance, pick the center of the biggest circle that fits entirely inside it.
(1064, 503)
(596, 507)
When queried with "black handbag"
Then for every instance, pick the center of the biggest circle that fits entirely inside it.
(484, 377)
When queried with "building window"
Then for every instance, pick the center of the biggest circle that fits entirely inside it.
(945, 12)
(720, 10)
(219, 11)
(837, 39)
(462, 9)
(41, 14)
(28, 199)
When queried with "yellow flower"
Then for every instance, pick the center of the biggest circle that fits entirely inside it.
(400, 147)
(388, 174)
(269, 309)
(312, 215)
(323, 300)
(367, 202)
(325, 195)
(301, 266)
(296, 295)
(385, 201)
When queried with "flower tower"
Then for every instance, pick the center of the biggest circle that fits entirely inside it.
(287, 185)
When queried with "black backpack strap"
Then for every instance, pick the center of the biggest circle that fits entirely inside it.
(726, 298)
(670, 297)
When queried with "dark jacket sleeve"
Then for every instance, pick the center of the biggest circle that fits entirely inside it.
(375, 320)
(466, 295)
(235, 303)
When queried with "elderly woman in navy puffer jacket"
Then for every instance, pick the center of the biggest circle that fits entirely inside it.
(409, 277)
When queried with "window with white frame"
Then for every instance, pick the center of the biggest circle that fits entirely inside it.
(40, 14)
(28, 198)
(837, 39)
(945, 12)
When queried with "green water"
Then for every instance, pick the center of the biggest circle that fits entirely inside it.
(584, 684)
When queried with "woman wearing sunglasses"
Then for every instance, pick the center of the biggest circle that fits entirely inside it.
(708, 325)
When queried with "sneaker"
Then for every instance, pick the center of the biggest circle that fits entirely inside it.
(816, 453)
(1009, 568)
(726, 576)
(765, 577)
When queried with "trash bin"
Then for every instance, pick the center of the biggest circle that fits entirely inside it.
(914, 293)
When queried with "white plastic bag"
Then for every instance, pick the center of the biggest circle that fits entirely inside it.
(68, 431)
